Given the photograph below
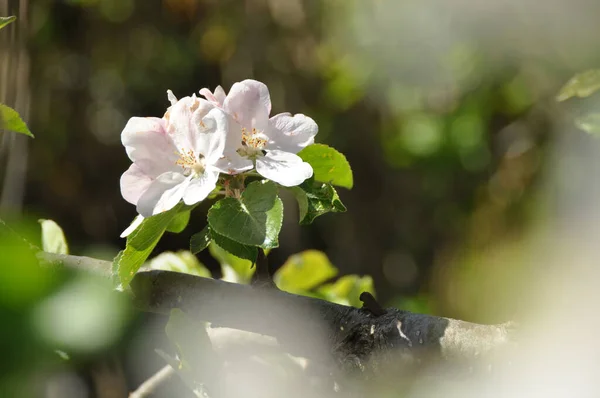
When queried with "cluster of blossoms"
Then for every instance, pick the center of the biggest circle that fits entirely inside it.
(181, 155)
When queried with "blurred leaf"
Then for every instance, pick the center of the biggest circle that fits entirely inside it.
(199, 241)
(315, 199)
(140, 244)
(53, 238)
(193, 345)
(179, 222)
(11, 121)
(255, 219)
(182, 261)
(234, 269)
(6, 20)
(237, 249)
(347, 290)
(589, 123)
(328, 165)
(581, 85)
(304, 271)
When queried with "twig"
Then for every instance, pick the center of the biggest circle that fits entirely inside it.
(150, 385)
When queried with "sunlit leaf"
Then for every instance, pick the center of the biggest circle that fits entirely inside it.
(315, 199)
(140, 244)
(6, 20)
(11, 121)
(53, 238)
(255, 219)
(347, 290)
(234, 269)
(328, 165)
(182, 261)
(304, 271)
(581, 85)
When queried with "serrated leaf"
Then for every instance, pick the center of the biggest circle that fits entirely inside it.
(239, 250)
(347, 290)
(304, 271)
(254, 220)
(140, 244)
(581, 85)
(11, 121)
(182, 261)
(6, 20)
(53, 238)
(199, 241)
(180, 221)
(589, 123)
(328, 165)
(234, 269)
(315, 199)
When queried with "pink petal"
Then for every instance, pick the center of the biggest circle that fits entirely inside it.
(249, 103)
(162, 194)
(134, 182)
(284, 168)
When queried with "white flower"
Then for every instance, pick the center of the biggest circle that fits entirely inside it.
(174, 157)
(254, 139)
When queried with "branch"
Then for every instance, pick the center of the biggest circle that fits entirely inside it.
(148, 387)
(356, 338)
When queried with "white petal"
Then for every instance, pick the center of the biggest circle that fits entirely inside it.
(149, 146)
(291, 133)
(212, 135)
(163, 194)
(172, 98)
(200, 187)
(134, 182)
(249, 103)
(137, 221)
(284, 168)
(183, 119)
(233, 163)
(218, 97)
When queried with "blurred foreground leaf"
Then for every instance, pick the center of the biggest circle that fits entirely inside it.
(53, 238)
(304, 271)
(329, 165)
(589, 123)
(6, 20)
(11, 121)
(581, 85)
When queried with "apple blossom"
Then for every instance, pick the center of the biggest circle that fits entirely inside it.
(255, 140)
(174, 157)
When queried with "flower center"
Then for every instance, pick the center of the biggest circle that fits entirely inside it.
(190, 163)
(252, 143)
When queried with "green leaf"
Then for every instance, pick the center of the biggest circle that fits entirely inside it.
(239, 250)
(53, 238)
(581, 85)
(589, 123)
(182, 261)
(315, 199)
(347, 290)
(6, 20)
(328, 165)
(199, 241)
(234, 269)
(11, 121)
(255, 219)
(304, 271)
(180, 221)
(140, 244)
